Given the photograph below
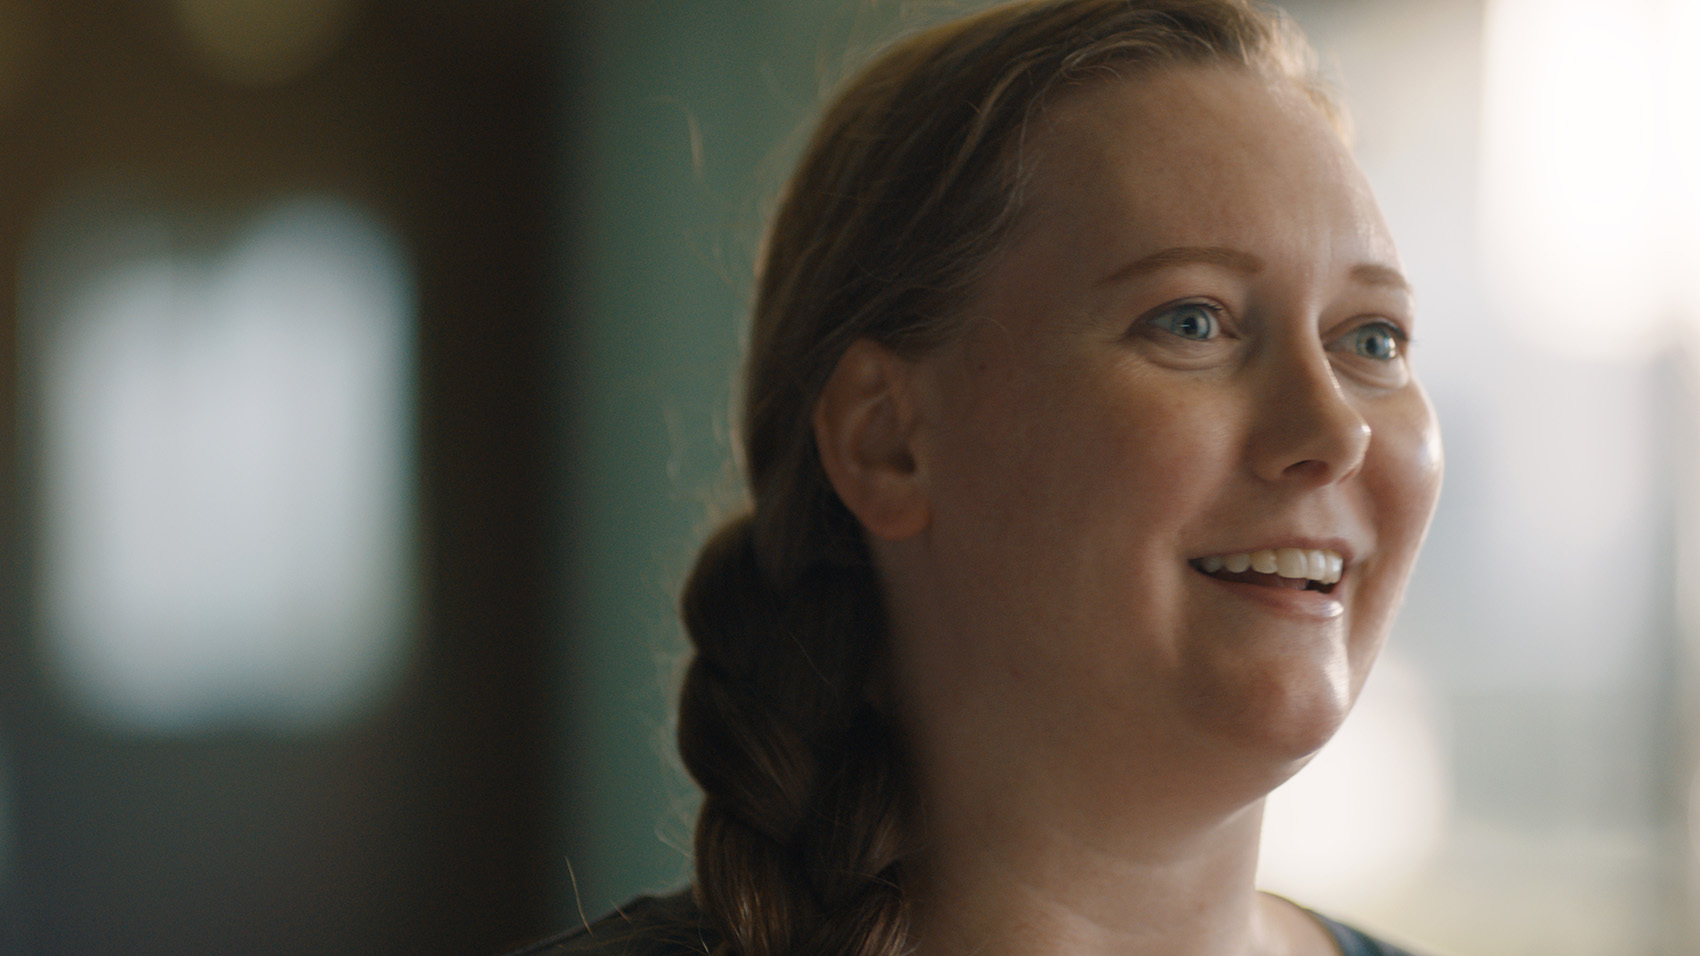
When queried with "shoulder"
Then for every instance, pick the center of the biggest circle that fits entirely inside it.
(1356, 942)
(647, 926)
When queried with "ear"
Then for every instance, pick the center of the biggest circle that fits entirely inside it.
(864, 433)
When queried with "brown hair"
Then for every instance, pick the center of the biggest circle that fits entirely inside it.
(911, 181)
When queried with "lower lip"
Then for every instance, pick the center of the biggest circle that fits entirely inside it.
(1292, 602)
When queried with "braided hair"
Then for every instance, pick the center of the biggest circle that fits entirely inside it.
(912, 180)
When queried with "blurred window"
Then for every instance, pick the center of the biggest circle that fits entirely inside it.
(223, 495)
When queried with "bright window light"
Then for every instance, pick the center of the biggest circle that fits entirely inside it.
(224, 445)
(1683, 116)
(1589, 146)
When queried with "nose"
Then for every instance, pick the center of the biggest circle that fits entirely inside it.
(1307, 428)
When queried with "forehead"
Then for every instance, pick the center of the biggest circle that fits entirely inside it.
(1198, 156)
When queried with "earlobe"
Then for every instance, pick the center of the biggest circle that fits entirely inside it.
(864, 429)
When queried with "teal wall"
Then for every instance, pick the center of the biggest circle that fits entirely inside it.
(685, 118)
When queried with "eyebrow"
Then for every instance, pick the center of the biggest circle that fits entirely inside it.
(1384, 276)
(1232, 259)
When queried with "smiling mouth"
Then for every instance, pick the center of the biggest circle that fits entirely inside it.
(1298, 569)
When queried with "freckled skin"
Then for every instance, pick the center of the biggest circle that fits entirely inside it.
(1065, 678)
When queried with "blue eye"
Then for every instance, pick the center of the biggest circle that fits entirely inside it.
(1377, 340)
(1189, 320)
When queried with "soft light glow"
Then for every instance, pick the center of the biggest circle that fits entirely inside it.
(1683, 118)
(224, 486)
(263, 42)
(1367, 812)
(1575, 188)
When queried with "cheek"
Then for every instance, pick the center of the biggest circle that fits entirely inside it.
(1066, 513)
(1402, 483)
(1116, 456)
(1407, 473)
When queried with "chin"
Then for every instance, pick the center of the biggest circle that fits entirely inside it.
(1278, 721)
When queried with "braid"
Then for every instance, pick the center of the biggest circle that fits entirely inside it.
(799, 841)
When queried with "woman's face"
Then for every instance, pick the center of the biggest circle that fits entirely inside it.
(1192, 353)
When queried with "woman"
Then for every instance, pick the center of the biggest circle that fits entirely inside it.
(1087, 469)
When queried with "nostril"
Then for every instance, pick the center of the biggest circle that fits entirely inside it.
(1313, 469)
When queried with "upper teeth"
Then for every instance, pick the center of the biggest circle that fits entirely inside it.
(1321, 566)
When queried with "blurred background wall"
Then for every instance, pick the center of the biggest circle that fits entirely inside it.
(282, 525)
(365, 369)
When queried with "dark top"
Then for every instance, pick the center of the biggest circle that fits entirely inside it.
(1354, 942)
(672, 926)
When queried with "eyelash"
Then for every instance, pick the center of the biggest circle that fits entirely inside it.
(1217, 314)
(1401, 341)
(1213, 310)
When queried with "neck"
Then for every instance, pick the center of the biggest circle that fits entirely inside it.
(993, 885)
